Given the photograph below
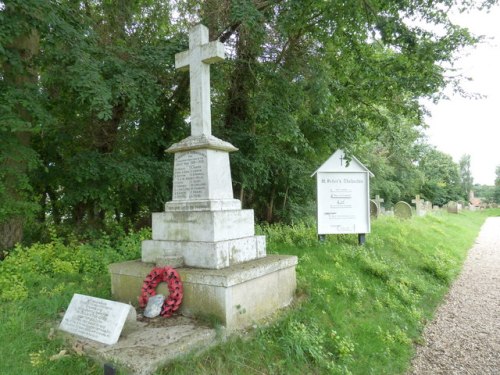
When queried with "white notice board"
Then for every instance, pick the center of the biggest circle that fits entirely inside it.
(343, 202)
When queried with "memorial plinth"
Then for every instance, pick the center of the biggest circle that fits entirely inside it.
(226, 272)
(203, 223)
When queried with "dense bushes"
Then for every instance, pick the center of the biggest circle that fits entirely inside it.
(26, 268)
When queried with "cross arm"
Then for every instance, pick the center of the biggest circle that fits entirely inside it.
(212, 52)
(182, 60)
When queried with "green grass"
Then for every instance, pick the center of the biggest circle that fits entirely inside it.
(359, 309)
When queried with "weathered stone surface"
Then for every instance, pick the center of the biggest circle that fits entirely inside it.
(402, 210)
(152, 345)
(204, 205)
(197, 59)
(203, 141)
(174, 261)
(153, 308)
(206, 254)
(420, 207)
(453, 207)
(203, 226)
(202, 174)
(374, 209)
(379, 201)
(237, 295)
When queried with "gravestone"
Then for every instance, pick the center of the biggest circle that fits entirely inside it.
(96, 318)
(428, 206)
(419, 205)
(379, 202)
(452, 207)
(374, 209)
(402, 210)
(227, 272)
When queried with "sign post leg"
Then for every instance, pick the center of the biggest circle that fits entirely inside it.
(361, 238)
(109, 369)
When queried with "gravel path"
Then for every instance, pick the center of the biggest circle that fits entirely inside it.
(464, 337)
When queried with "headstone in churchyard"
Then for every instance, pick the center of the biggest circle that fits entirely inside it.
(402, 210)
(374, 210)
(379, 201)
(343, 196)
(419, 205)
(452, 207)
(428, 206)
(96, 318)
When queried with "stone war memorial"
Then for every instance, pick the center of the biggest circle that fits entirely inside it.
(204, 231)
(204, 258)
(343, 198)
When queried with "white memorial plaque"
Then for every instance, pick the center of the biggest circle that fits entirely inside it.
(95, 318)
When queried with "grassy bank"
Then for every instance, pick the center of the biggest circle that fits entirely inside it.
(359, 309)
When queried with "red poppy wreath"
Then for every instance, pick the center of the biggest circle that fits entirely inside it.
(173, 280)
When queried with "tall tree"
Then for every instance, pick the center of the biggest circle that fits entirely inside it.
(109, 163)
(465, 176)
(496, 195)
(98, 100)
(19, 114)
(442, 180)
(309, 77)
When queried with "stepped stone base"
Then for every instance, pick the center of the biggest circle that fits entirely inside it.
(237, 296)
(202, 225)
(214, 255)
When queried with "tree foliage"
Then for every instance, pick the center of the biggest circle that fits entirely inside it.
(442, 180)
(90, 99)
(465, 175)
(496, 195)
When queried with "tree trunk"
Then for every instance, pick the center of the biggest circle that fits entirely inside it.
(270, 206)
(15, 163)
(11, 232)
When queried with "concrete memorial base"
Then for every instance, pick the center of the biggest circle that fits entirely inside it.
(237, 296)
(149, 345)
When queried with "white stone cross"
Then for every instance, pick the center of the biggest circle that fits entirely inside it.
(197, 59)
(378, 200)
(417, 201)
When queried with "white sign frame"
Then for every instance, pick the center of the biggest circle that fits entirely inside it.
(343, 196)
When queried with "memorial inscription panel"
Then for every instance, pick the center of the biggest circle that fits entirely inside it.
(190, 179)
(342, 203)
(95, 318)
